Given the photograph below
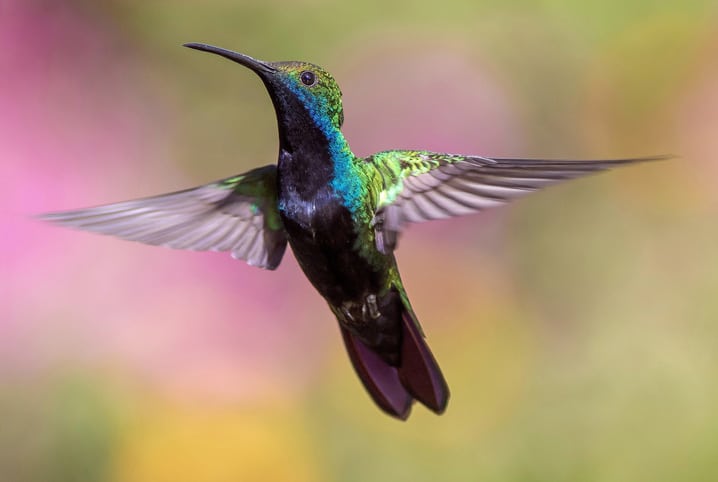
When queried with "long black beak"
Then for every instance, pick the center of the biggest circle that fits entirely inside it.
(256, 65)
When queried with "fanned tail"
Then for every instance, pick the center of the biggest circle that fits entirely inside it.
(417, 375)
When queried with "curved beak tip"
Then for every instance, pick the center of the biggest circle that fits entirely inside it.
(249, 62)
(195, 45)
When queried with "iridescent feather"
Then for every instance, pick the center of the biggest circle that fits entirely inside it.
(420, 186)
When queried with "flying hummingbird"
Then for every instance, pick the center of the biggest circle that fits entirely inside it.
(341, 214)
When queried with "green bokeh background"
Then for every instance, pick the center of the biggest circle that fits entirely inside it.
(578, 328)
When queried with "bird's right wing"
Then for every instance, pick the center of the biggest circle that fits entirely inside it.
(237, 214)
(420, 186)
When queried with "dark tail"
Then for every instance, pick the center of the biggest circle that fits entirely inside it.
(394, 388)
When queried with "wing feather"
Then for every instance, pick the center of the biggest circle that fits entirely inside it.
(237, 214)
(420, 186)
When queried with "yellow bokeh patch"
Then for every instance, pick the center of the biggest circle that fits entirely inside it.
(172, 443)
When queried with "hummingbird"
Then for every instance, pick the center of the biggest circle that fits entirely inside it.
(342, 216)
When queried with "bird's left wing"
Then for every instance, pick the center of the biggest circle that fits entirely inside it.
(237, 214)
(420, 186)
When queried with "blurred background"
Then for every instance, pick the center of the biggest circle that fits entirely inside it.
(578, 328)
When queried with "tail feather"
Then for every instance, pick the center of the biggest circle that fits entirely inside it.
(380, 379)
(417, 375)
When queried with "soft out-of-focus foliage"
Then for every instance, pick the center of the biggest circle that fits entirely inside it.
(578, 328)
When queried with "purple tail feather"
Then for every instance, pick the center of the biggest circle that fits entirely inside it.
(419, 373)
(394, 388)
(380, 379)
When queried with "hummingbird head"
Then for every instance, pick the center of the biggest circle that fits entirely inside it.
(301, 92)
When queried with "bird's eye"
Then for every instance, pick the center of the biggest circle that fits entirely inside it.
(308, 78)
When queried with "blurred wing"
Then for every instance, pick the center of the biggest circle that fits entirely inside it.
(237, 214)
(420, 186)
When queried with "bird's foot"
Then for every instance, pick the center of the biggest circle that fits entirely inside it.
(371, 306)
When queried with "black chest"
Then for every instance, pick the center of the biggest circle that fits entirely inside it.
(322, 234)
(305, 194)
(318, 225)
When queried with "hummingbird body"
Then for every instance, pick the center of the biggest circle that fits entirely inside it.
(341, 215)
(325, 202)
